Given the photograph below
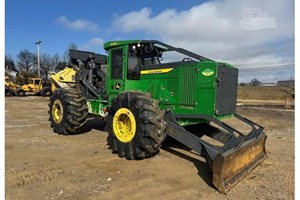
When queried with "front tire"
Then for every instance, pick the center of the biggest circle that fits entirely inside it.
(135, 125)
(67, 111)
(46, 92)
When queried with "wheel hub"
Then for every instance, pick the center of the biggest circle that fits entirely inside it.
(57, 111)
(124, 125)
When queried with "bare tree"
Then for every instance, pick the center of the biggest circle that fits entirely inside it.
(55, 60)
(255, 82)
(10, 64)
(61, 65)
(26, 61)
(46, 65)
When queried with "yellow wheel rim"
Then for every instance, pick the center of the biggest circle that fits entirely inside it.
(57, 111)
(124, 125)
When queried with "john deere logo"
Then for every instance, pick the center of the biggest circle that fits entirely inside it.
(208, 72)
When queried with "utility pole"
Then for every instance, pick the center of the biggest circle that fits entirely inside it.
(38, 52)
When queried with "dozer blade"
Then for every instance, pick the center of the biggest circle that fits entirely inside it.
(231, 162)
(230, 167)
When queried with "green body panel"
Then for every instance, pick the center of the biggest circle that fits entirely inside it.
(188, 88)
(184, 89)
(97, 107)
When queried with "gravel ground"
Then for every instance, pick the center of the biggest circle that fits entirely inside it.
(42, 165)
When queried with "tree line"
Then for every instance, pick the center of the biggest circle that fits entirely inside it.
(256, 82)
(253, 82)
(26, 64)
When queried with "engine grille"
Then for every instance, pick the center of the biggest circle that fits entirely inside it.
(187, 86)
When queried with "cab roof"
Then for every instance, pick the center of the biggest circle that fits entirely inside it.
(162, 46)
(112, 44)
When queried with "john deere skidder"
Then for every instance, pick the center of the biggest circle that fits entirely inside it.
(144, 99)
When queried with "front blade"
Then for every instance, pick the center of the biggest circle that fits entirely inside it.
(230, 167)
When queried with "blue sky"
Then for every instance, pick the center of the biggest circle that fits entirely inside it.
(209, 28)
(32, 20)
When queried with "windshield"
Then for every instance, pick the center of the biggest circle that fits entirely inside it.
(152, 54)
(34, 81)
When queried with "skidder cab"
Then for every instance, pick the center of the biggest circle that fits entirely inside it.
(150, 92)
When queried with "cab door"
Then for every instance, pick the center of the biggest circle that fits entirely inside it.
(116, 70)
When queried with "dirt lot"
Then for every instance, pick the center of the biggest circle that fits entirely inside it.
(42, 165)
(266, 92)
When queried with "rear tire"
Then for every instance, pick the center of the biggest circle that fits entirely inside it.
(67, 110)
(8, 92)
(149, 132)
(46, 92)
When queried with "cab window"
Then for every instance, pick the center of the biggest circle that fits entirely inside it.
(37, 82)
(117, 64)
(133, 68)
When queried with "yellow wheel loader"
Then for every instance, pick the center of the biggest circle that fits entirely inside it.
(35, 85)
(10, 87)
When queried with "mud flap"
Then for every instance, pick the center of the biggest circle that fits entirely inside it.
(230, 167)
(231, 162)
